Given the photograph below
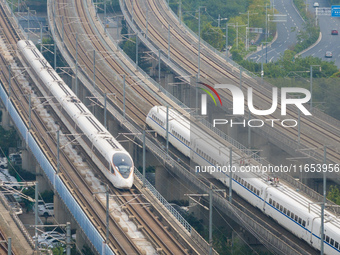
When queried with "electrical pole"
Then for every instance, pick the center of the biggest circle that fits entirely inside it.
(210, 220)
(58, 151)
(68, 238)
(180, 11)
(147, 21)
(124, 96)
(311, 88)
(323, 203)
(9, 81)
(94, 69)
(76, 85)
(105, 21)
(41, 37)
(105, 98)
(36, 217)
(230, 175)
(159, 68)
(199, 40)
(29, 113)
(266, 32)
(28, 23)
(62, 29)
(143, 158)
(226, 41)
(167, 130)
(107, 215)
(136, 51)
(169, 41)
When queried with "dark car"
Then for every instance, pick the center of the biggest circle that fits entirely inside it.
(334, 32)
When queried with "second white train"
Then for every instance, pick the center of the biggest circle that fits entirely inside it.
(287, 206)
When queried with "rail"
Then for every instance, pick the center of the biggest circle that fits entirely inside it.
(8, 9)
(164, 202)
(257, 229)
(17, 220)
(75, 209)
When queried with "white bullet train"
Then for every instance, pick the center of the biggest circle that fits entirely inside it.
(285, 205)
(118, 164)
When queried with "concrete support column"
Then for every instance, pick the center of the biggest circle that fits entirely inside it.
(41, 178)
(6, 120)
(62, 214)
(169, 78)
(28, 161)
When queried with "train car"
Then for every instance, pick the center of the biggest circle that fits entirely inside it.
(116, 164)
(285, 205)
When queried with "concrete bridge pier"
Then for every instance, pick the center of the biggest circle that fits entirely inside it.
(6, 121)
(62, 214)
(44, 183)
(29, 162)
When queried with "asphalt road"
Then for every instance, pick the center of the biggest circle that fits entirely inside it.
(287, 32)
(328, 42)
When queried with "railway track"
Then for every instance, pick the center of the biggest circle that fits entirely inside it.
(216, 70)
(90, 73)
(90, 36)
(119, 241)
(103, 80)
(69, 174)
(151, 226)
(47, 142)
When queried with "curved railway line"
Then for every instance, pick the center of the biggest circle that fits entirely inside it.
(184, 44)
(103, 81)
(119, 241)
(88, 29)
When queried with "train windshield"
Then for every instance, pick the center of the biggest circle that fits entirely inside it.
(123, 163)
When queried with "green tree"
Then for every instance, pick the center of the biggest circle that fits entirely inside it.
(213, 35)
(48, 52)
(334, 194)
(58, 250)
(8, 138)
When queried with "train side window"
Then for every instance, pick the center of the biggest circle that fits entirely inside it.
(296, 218)
(327, 239)
(300, 220)
(336, 245)
(242, 181)
(288, 213)
(285, 210)
(274, 203)
(270, 201)
(277, 205)
(281, 208)
(332, 242)
(258, 192)
(304, 223)
(292, 215)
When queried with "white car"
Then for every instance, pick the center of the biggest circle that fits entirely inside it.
(46, 210)
(3, 162)
(50, 239)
